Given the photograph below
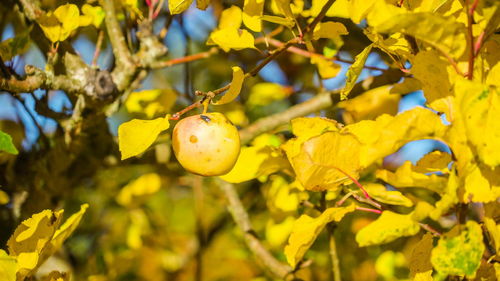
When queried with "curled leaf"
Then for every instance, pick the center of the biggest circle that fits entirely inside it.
(135, 136)
(235, 88)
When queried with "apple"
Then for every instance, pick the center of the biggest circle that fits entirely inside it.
(206, 144)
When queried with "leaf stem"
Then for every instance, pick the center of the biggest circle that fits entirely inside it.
(368, 210)
(470, 35)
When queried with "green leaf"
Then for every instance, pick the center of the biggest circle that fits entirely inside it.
(135, 136)
(15, 46)
(178, 6)
(6, 143)
(459, 255)
(354, 71)
(306, 229)
(387, 228)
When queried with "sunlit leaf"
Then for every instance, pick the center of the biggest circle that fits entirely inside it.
(388, 263)
(57, 26)
(67, 228)
(265, 93)
(370, 105)
(327, 68)
(235, 88)
(95, 13)
(232, 38)
(387, 228)
(6, 143)
(480, 108)
(178, 6)
(279, 20)
(431, 71)
(151, 102)
(324, 162)
(493, 230)
(480, 188)
(408, 85)
(436, 161)
(392, 197)
(135, 136)
(405, 176)
(136, 191)
(459, 255)
(354, 71)
(8, 267)
(439, 31)
(306, 229)
(254, 162)
(329, 29)
(252, 12)
(280, 197)
(278, 233)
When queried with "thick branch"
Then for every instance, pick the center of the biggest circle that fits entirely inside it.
(27, 85)
(31, 9)
(125, 67)
(317, 103)
(240, 216)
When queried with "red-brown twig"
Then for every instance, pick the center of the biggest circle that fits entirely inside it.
(185, 59)
(369, 210)
(470, 21)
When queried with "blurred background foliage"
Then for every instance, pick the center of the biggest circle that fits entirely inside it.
(150, 220)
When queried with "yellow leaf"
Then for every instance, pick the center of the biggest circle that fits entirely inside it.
(392, 197)
(327, 69)
(494, 231)
(479, 187)
(235, 88)
(8, 267)
(387, 228)
(280, 197)
(448, 199)
(493, 77)
(135, 136)
(358, 9)
(279, 20)
(4, 198)
(329, 29)
(480, 107)
(323, 160)
(67, 228)
(370, 105)
(136, 191)
(232, 38)
(265, 93)
(381, 12)
(431, 71)
(306, 229)
(406, 177)
(296, 6)
(178, 6)
(459, 255)
(387, 134)
(231, 18)
(438, 31)
(340, 8)
(151, 102)
(202, 4)
(95, 13)
(407, 86)
(278, 233)
(420, 259)
(305, 128)
(354, 72)
(436, 161)
(57, 26)
(27, 260)
(388, 262)
(285, 8)
(252, 12)
(254, 162)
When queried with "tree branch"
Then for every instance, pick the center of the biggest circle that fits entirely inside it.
(333, 254)
(240, 216)
(125, 66)
(317, 103)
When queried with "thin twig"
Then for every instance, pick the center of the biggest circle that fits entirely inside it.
(319, 17)
(369, 210)
(185, 59)
(430, 229)
(470, 36)
(98, 44)
(240, 216)
(334, 257)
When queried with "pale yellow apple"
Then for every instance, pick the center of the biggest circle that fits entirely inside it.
(206, 144)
